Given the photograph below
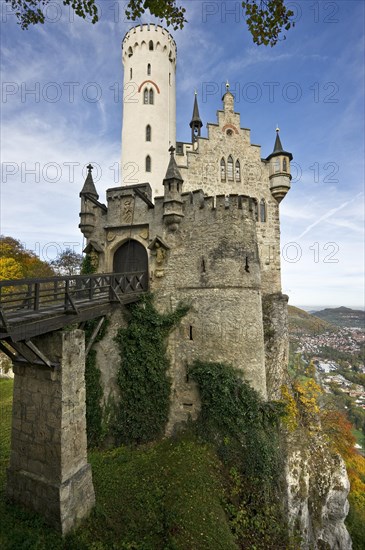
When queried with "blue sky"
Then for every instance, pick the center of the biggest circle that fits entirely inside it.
(61, 107)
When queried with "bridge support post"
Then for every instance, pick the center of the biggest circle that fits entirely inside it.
(48, 470)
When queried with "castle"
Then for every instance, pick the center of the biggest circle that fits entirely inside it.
(198, 222)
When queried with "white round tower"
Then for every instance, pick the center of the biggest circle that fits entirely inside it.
(149, 105)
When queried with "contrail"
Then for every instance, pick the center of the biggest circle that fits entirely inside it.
(328, 215)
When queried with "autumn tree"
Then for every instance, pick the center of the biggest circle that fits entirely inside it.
(266, 19)
(16, 262)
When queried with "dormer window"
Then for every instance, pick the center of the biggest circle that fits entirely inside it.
(223, 170)
(150, 45)
(230, 168)
(149, 68)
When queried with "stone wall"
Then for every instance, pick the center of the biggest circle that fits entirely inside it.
(275, 319)
(48, 469)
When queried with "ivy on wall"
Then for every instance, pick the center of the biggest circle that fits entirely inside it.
(94, 391)
(245, 431)
(143, 375)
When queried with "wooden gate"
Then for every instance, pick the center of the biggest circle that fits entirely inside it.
(131, 257)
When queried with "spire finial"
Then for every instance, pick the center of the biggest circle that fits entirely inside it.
(227, 86)
(195, 92)
(90, 168)
(172, 150)
(277, 128)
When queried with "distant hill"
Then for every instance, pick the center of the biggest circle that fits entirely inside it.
(342, 317)
(301, 322)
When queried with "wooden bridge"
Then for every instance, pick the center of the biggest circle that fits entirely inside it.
(31, 307)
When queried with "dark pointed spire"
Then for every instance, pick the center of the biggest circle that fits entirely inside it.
(278, 148)
(196, 117)
(196, 122)
(89, 186)
(173, 171)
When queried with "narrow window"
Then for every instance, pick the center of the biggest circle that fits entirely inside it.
(230, 168)
(149, 68)
(238, 171)
(223, 170)
(130, 74)
(191, 333)
(145, 96)
(277, 165)
(262, 210)
(285, 165)
(170, 79)
(150, 45)
(148, 132)
(148, 163)
(151, 96)
(130, 52)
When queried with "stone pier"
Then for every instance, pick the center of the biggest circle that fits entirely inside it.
(48, 469)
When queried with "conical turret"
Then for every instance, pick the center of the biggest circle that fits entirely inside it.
(88, 194)
(279, 169)
(173, 204)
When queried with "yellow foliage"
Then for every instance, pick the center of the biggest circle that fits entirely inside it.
(10, 269)
(292, 415)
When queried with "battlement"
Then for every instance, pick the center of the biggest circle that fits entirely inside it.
(150, 37)
(197, 204)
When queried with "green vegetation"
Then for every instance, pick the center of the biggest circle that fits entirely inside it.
(168, 495)
(265, 20)
(143, 376)
(342, 317)
(245, 432)
(94, 391)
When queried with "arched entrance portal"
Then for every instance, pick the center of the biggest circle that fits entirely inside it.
(131, 259)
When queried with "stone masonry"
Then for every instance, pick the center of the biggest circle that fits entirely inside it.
(48, 469)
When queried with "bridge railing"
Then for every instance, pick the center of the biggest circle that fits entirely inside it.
(26, 296)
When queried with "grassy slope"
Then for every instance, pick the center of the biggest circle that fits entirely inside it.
(304, 323)
(164, 496)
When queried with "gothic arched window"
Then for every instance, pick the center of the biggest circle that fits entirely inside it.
(277, 165)
(150, 45)
(148, 132)
(285, 165)
(151, 96)
(130, 52)
(230, 168)
(148, 163)
(145, 96)
(238, 171)
(223, 170)
(262, 210)
(149, 68)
